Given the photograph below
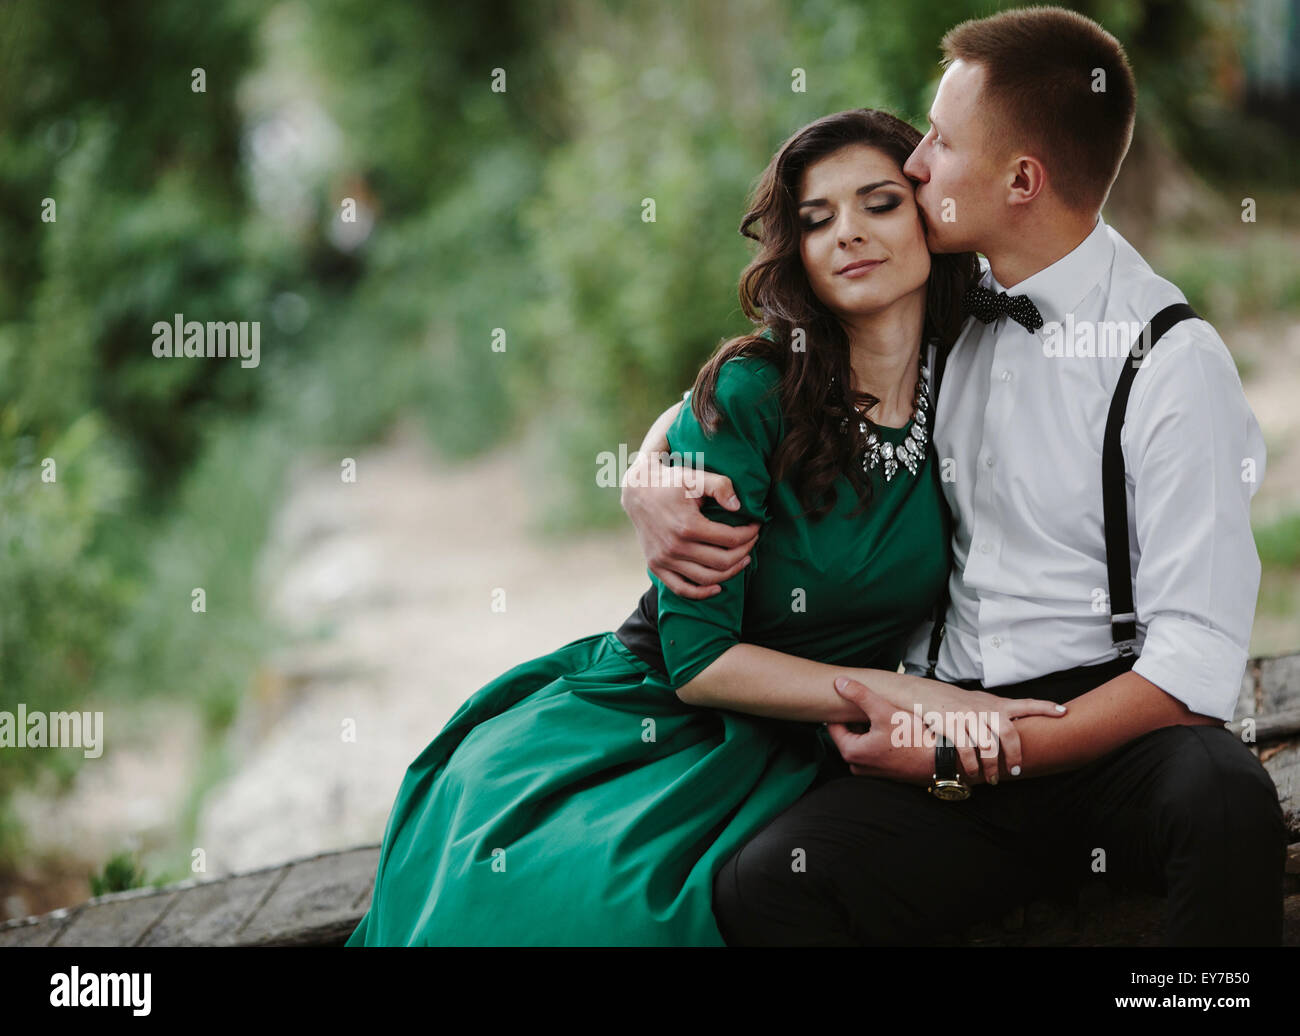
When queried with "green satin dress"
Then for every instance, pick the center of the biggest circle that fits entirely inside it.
(576, 800)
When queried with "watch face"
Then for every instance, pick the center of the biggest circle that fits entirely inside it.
(950, 791)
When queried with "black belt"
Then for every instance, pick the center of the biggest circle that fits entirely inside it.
(1061, 686)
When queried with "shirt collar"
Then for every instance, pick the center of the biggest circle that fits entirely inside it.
(1058, 289)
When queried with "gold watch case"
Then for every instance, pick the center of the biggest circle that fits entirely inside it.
(949, 790)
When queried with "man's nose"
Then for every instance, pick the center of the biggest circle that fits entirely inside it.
(914, 168)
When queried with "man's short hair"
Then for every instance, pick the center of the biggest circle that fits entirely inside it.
(1060, 88)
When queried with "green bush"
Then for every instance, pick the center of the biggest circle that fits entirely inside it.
(120, 873)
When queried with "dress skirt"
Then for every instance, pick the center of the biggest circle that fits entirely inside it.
(577, 801)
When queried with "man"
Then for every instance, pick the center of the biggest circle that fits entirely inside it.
(1140, 781)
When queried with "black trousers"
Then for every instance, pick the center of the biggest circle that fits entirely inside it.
(1185, 812)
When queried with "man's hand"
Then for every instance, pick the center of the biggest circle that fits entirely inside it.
(690, 553)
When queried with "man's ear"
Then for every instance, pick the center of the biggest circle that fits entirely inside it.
(1027, 180)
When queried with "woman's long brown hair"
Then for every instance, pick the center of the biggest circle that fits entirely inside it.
(776, 295)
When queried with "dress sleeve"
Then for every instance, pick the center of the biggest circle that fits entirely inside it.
(694, 633)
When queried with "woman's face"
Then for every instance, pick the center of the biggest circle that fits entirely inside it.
(855, 204)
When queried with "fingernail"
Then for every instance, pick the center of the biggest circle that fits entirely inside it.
(733, 502)
(745, 562)
(840, 683)
(1015, 771)
(1060, 708)
(993, 779)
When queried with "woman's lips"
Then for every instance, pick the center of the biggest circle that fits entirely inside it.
(860, 269)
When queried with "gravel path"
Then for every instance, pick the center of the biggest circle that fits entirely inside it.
(400, 568)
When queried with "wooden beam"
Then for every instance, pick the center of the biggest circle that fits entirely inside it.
(1272, 726)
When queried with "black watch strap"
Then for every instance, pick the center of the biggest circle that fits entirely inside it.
(945, 760)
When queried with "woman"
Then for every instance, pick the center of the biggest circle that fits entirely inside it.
(589, 796)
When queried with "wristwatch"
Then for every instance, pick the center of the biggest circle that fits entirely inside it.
(947, 782)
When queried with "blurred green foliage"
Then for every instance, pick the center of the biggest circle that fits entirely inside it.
(1235, 274)
(120, 873)
(96, 114)
(519, 210)
(1279, 542)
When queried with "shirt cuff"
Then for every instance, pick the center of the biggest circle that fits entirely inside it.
(1199, 666)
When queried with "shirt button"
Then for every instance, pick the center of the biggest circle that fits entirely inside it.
(996, 642)
(986, 547)
(988, 462)
(1006, 375)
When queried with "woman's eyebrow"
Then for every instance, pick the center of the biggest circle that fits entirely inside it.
(864, 189)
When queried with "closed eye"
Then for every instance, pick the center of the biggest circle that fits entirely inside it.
(893, 203)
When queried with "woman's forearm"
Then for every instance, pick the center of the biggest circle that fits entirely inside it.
(758, 680)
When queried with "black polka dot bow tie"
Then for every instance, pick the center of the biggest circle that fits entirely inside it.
(984, 304)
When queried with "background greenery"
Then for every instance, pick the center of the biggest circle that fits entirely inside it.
(518, 210)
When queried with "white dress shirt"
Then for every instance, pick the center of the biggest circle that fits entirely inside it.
(1018, 433)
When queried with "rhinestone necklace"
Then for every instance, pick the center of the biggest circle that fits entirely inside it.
(911, 451)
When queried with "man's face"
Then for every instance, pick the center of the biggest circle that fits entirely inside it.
(958, 179)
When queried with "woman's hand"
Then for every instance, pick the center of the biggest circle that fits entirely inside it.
(977, 722)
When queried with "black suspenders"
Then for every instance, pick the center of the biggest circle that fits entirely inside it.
(1119, 571)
